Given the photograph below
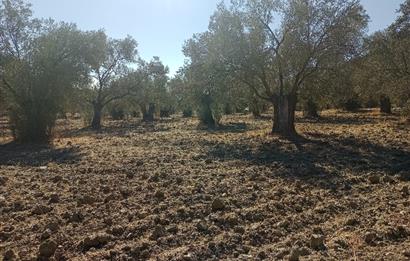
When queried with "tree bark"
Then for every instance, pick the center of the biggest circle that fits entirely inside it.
(96, 122)
(385, 104)
(255, 108)
(284, 115)
(310, 109)
(148, 115)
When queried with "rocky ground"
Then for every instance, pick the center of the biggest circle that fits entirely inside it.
(171, 191)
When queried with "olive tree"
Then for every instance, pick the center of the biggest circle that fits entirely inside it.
(110, 61)
(275, 46)
(384, 70)
(41, 60)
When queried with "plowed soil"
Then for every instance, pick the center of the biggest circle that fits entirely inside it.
(173, 191)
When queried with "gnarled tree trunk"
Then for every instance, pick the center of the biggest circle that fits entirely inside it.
(148, 115)
(310, 109)
(96, 121)
(284, 115)
(255, 108)
(385, 104)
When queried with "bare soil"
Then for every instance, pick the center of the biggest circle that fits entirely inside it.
(171, 191)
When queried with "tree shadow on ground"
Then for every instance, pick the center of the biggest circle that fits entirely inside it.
(346, 120)
(121, 129)
(317, 159)
(33, 155)
(232, 127)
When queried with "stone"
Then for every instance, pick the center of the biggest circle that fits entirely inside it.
(352, 222)
(46, 235)
(159, 195)
(47, 248)
(86, 200)
(202, 227)
(388, 179)
(374, 179)
(54, 198)
(317, 242)
(294, 254)
(96, 241)
(41, 210)
(159, 231)
(217, 205)
(75, 217)
(53, 226)
(3, 181)
(56, 179)
(370, 238)
(9, 255)
(232, 220)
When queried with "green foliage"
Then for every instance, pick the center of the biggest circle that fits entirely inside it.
(274, 58)
(109, 67)
(42, 62)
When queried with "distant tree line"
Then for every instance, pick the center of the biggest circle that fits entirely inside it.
(256, 54)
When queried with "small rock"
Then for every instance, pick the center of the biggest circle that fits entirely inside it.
(388, 179)
(86, 200)
(202, 227)
(173, 229)
(41, 210)
(370, 238)
(139, 163)
(9, 255)
(46, 235)
(281, 253)
(56, 179)
(218, 204)
(304, 251)
(117, 231)
(109, 198)
(53, 226)
(97, 241)
(158, 232)
(262, 255)
(294, 254)
(54, 198)
(342, 243)
(317, 242)
(3, 180)
(76, 217)
(239, 229)
(374, 179)
(159, 195)
(47, 248)
(352, 222)
(232, 220)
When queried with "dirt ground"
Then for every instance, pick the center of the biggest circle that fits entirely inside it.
(171, 191)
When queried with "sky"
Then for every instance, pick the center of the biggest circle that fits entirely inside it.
(162, 26)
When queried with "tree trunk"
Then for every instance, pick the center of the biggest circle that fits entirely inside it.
(385, 104)
(148, 115)
(256, 110)
(284, 115)
(96, 122)
(310, 109)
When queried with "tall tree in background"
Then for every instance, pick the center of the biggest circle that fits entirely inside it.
(384, 72)
(275, 46)
(110, 60)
